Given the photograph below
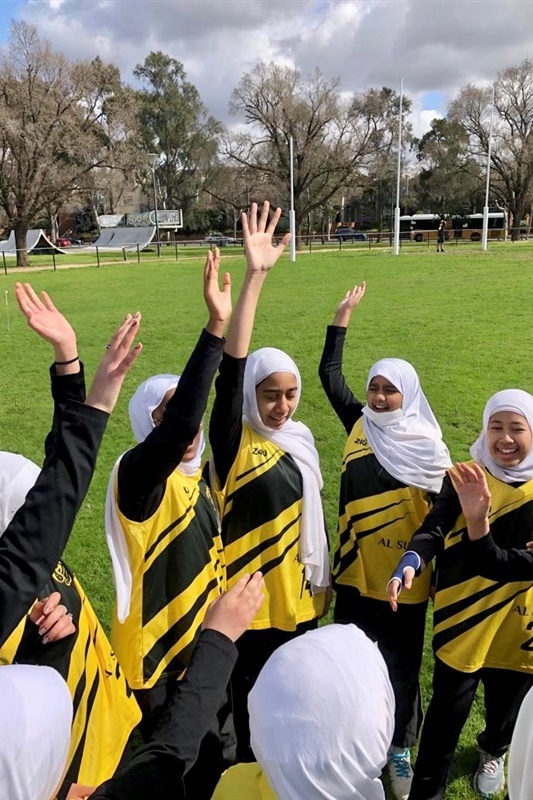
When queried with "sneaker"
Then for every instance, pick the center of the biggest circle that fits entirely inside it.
(489, 778)
(400, 772)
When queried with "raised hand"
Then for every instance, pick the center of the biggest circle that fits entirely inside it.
(52, 618)
(119, 356)
(471, 486)
(48, 323)
(351, 299)
(232, 613)
(260, 253)
(218, 300)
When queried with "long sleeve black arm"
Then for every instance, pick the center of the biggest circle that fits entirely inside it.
(428, 540)
(225, 427)
(144, 469)
(346, 406)
(495, 563)
(155, 769)
(36, 537)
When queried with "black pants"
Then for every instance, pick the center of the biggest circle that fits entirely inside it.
(453, 695)
(400, 638)
(255, 648)
(217, 750)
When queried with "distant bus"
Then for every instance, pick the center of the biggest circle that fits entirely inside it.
(419, 227)
(471, 226)
(424, 227)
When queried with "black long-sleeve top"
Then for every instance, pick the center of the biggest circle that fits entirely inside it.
(486, 558)
(38, 533)
(144, 469)
(347, 407)
(156, 769)
(225, 428)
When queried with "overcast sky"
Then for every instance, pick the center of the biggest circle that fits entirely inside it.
(437, 46)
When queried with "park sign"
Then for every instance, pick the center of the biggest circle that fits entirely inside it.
(166, 220)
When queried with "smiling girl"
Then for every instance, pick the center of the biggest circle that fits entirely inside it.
(482, 624)
(394, 462)
(267, 479)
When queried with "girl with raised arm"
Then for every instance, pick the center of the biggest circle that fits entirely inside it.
(482, 629)
(162, 530)
(267, 479)
(394, 463)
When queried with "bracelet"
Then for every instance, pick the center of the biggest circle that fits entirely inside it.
(64, 363)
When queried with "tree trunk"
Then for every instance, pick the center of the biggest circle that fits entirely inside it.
(516, 212)
(21, 235)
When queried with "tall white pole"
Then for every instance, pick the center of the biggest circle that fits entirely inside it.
(292, 214)
(485, 234)
(397, 209)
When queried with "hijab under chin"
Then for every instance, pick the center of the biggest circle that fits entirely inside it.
(296, 439)
(407, 442)
(322, 716)
(35, 721)
(519, 402)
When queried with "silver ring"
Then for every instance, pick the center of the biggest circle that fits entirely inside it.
(108, 347)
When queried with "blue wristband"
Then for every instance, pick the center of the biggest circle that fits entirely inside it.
(410, 559)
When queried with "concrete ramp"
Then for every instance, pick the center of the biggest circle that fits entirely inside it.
(115, 239)
(36, 240)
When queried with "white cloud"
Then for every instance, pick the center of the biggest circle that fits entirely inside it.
(435, 45)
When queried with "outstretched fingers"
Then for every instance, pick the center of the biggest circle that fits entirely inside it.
(264, 218)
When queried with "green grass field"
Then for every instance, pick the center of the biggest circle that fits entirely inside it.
(464, 318)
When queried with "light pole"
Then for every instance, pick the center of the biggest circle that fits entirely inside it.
(153, 161)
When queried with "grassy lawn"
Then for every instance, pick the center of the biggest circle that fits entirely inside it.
(463, 318)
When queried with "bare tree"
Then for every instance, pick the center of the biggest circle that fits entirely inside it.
(330, 134)
(512, 145)
(54, 128)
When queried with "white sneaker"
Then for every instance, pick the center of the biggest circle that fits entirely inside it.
(400, 772)
(489, 778)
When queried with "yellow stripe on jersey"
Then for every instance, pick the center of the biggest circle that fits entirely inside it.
(261, 510)
(478, 622)
(177, 569)
(377, 517)
(105, 710)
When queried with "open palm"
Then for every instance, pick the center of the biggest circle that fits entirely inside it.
(261, 255)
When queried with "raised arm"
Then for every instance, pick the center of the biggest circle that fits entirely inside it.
(344, 403)
(492, 562)
(36, 537)
(261, 255)
(144, 469)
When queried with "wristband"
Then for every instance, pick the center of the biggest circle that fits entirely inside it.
(410, 559)
(64, 363)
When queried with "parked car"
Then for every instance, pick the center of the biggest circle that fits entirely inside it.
(220, 239)
(67, 241)
(349, 234)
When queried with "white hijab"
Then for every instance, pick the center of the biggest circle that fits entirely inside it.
(507, 400)
(322, 716)
(35, 725)
(520, 768)
(144, 401)
(408, 442)
(296, 439)
(17, 477)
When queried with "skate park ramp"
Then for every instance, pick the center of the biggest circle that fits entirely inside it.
(36, 241)
(116, 239)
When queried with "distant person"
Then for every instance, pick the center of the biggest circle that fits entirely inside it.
(393, 466)
(441, 235)
(481, 631)
(321, 721)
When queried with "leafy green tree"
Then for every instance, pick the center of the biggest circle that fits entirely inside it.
(176, 125)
